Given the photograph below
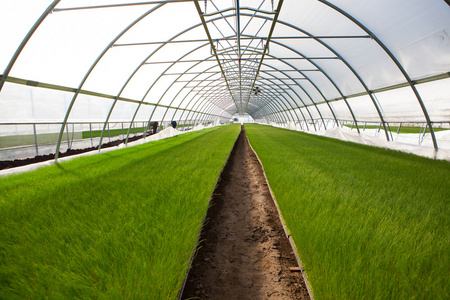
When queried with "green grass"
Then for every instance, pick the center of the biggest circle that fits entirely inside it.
(112, 132)
(403, 129)
(117, 225)
(368, 223)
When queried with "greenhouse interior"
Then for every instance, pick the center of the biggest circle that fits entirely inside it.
(144, 143)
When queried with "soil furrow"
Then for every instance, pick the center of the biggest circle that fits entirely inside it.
(244, 253)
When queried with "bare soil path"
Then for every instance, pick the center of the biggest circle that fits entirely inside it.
(244, 253)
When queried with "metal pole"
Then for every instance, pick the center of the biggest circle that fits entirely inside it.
(25, 41)
(68, 138)
(90, 131)
(35, 139)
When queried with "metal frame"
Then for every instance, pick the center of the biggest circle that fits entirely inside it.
(214, 97)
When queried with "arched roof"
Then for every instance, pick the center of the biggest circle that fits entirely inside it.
(302, 61)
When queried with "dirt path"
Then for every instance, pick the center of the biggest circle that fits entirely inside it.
(244, 253)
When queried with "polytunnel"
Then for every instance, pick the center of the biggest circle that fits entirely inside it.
(224, 149)
(71, 68)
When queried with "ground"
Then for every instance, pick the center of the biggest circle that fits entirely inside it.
(243, 253)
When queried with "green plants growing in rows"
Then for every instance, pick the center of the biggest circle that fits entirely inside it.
(117, 225)
(369, 223)
(393, 129)
(112, 132)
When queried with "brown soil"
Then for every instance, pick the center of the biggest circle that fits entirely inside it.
(7, 164)
(244, 253)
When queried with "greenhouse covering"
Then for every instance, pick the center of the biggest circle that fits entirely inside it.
(72, 67)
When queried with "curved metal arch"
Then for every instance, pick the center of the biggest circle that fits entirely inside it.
(325, 74)
(320, 69)
(202, 89)
(205, 101)
(395, 60)
(25, 40)
(313, 84)
(72, 102)
(136, 70)
(329, 78)
(287, 102)
(345, 62)
(300, 88)
(274, 92)
(193, 97)
(276, 110)
(280, 88)
(349, 67)
(132, 75)
(298, 96)
(139, 105)
(176, 80)
(269, 102)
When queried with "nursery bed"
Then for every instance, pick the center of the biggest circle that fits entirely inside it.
(368, 223)
(121, 224)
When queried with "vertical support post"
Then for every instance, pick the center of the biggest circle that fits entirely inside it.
(365, 126)
(35, 139)
(90, 131)
(109, 134)
(390, 131)
(123, 135)
(398, 129)
(68, 138)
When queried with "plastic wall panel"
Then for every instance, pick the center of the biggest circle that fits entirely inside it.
(369, 61)
(141, 81)
(362, 107)
(400, 105)
(20, 16)
(89, 109)
(312, 92)
(340, 109)
(416, 31)
(122, 112)
(162, 93)
(162, 24)
(342, 76)
(307, 47)
(316, 18)
(179, 99)
(323, 84)
(115, 67)
(144, 113)
(169, 114)
(158, 113)
(177, 115)
(302, 94)
(61, 53)
(436, 96)
(25, 104)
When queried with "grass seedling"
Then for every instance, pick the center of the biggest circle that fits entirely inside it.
(369, 223)
(117, 225)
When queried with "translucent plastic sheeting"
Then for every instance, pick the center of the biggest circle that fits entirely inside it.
(25, 104)
(436, 95)
(99, 61)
